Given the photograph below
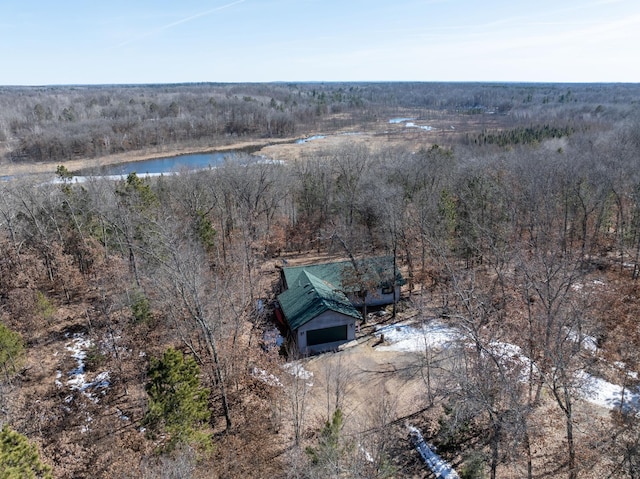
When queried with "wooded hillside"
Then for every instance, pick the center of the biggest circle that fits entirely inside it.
(140, 304)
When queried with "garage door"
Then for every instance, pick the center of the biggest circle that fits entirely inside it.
(326, 335)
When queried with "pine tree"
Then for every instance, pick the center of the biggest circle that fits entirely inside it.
(19, 459)
(11, 349)
(178, 404)
(327, 457)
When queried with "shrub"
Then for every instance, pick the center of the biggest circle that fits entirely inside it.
(44, 306)
(11, 350)
(140, 308)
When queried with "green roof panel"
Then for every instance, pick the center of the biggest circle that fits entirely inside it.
(342, 274)
(309, 296)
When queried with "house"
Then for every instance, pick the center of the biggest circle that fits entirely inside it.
(370, 277)
(319, 316)
(319, 302)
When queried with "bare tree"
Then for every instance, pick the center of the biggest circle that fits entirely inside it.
(338, 383)
(297, 385)
(557, 311)
(191, 293)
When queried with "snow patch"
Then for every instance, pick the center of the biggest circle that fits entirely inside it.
(77, 378)
(411, 124)
(580, 286)
(510, 354)
(400, 120)
(416, 338)
(366, 454)
(440, 468)
(266, 377)
(297, 370)
(410, 338)
(623, 367)
(608, 395)
(590, 343)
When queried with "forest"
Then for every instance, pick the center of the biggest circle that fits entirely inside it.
(133, 312)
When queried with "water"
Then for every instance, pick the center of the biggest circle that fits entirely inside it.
(158, 166)
(311, 138)
(400, 120)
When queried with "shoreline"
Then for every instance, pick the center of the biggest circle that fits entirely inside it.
(13, 169)
(283, 149)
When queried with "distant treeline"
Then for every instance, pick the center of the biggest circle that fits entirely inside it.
(522, 136)
(67, 122)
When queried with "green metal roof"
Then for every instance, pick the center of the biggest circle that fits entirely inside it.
(375, 271)
(309, 296)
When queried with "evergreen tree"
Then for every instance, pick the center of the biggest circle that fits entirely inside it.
(327, 457)
(178, 404)
(11, 349)
(141, 308)
(19, 459)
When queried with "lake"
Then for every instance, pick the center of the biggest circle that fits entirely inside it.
(158, 166)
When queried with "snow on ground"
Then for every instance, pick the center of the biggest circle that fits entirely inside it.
(367, 456)
(608, 395)
(296, 369)
(411, 124)
(580, 286)
(440, 468)
(266, 377)
(415, 338)
(77, 377)
(400, 120)
(512, 354)
(623, 367)
(587, 342)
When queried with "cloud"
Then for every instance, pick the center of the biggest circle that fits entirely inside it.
(178, 22)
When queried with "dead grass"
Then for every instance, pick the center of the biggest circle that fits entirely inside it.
(376, 135)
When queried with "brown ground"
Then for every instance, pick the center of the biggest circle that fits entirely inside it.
(377, 379)
(392, 379)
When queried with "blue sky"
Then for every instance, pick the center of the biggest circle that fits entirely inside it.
(137, 41)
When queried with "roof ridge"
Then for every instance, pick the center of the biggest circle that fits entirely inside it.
(311, 294)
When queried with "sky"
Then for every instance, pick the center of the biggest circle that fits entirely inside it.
(43, 42)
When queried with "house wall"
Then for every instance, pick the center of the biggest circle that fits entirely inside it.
(328, 319)
(377, 299)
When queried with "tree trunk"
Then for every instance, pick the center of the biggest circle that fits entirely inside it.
(495, 449)
(213, 350)
(527, 445)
